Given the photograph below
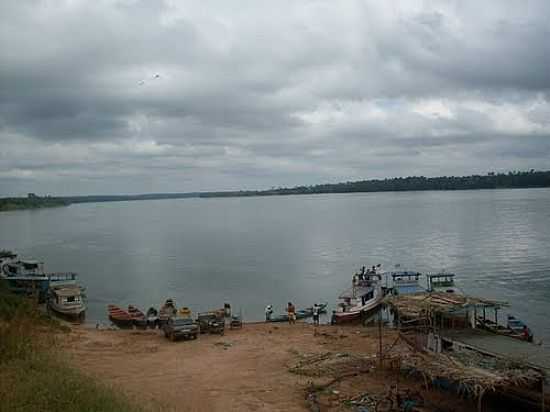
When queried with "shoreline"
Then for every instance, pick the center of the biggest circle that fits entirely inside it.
(263, 367)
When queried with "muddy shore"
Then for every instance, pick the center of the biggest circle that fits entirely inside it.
(262, 367)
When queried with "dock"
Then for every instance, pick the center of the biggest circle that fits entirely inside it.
(500, 346)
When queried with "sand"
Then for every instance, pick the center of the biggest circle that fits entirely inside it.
(244, 370)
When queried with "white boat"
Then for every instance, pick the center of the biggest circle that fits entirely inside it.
(68, 300)
(366, 294)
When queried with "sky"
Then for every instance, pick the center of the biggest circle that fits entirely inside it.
(141, 96)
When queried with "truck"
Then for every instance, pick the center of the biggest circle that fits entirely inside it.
(176, 328)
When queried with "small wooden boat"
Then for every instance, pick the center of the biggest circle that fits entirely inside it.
(138, 318)
(152, 317)
(514, 328)
(184, 312)
(119, 317)
(300, 314)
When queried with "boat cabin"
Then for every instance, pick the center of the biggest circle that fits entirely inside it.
(441, 282)
(24, 268)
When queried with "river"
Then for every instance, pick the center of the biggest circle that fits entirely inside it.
(258, 250)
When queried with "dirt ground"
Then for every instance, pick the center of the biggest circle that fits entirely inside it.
(262, 367)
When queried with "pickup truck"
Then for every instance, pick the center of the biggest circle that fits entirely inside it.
(176, 328)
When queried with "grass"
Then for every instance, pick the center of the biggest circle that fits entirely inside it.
(34, 376)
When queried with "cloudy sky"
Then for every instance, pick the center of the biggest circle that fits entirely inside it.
(100, 97)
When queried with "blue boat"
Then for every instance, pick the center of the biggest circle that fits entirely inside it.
(406, 282)
(27, 277)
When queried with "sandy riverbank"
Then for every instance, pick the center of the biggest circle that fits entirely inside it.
(245, 370)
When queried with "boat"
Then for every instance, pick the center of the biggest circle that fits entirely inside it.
(152, 317)
(184, 312)
(138, 317)
(515, 328)
(167, 311)
(520, 329)
(406, 282)
(365, 295)
(68, 300)
(300, 314)
(442, 282)
(27, 276)
(119, 317)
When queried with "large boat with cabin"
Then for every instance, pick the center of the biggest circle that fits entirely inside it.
(365, 295)
(68, 300)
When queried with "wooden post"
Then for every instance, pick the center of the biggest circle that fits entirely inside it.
(380, 338)
(483, 313)
(542, 407)
(496, 317)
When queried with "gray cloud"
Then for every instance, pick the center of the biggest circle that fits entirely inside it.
(267, 94)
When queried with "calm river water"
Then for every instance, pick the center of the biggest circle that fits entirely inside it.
(254, 251)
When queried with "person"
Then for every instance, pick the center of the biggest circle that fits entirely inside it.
(333, 318)
(291, 310)
(527, 334)
(268, 313)
(316, 311)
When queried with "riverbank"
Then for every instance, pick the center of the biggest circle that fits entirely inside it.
(35, 375)
(262, 367)
(35, 202)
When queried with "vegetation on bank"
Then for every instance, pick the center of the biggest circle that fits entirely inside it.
(33, 376)
(511, 180)
(31, 202)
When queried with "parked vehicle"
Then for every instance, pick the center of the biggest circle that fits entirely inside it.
(211, 322)
(176, 328)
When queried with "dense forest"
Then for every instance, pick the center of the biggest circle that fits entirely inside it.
(31, 202)
(511, 180)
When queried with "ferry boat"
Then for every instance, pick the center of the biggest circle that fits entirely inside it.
(365, 295)
(26, 276)
(68, 300)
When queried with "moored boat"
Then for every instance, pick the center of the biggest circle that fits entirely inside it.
(184, 312)
(67, 300)
(365, 295)
(119, 317)
(300, 314)
(406, 282)
(138, 318)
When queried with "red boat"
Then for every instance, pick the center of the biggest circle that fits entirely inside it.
(138, 317)
(119, 316)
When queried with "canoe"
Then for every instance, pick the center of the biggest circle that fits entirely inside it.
(119, 316)
(300, 314)
(138, 318)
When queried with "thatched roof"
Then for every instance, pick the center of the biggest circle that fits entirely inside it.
(418, 304)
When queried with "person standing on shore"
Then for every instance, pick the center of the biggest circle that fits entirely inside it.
(316, 314)
(268, 312)
(291, 310)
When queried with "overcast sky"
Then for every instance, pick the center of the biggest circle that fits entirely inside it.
(100, 97)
